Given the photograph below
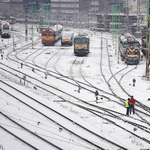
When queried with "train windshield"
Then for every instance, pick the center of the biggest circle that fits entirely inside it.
(44, 34)
(84, 40)
(66, 35)
(136, 44)
(129, 44)
(77, 41)
(5, 27)
(50, 34)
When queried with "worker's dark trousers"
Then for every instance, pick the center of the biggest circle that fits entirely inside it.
(132, 109)
(128, 109)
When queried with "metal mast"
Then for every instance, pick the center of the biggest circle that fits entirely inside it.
(127, 15)
(148, 52)
(138, 14)
(105, 14)
(58, 15)
(26, 25)
(75, 12)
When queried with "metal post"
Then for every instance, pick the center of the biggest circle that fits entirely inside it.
(113, 24)
(44, 14)
(49, 23)
(26, 25)
(119, 34)
(32, 23)
(75, 15)
(127, 16)
(138, 14)
(116, 30)
(13, 44)
(47, 14)
(148, 52)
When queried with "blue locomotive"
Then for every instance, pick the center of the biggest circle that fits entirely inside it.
(81, 45)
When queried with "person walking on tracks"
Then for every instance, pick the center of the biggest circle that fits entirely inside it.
(1, 56)
(96, 95)
(134, 80)
(127, 102)
(132, 102)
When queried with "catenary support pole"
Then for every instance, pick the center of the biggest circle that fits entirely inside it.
(26, 25)
(50, 14)
(148, 52)
(119, 34)
(32, 23)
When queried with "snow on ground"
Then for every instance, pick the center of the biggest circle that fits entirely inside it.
(91, 70)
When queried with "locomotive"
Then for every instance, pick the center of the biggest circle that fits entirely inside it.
(67, 37)
(10, 19)
(51, 35)
(130, 49)
(5, 29)
(81, 45)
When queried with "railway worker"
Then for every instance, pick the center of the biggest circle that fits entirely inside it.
(134, 81)
(127, 102)
(96, 95)
(79, 88)
(24, 78)
(37, 29)
(46, 75)
(141, 56)
(1, 56)
(21, 65)
(132, 103)
(33, 70)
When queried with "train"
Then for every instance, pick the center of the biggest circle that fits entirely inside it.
(11, 20)
(130, 49)
(81, 45)
(67, 37)
(51, 35)
(5, 29)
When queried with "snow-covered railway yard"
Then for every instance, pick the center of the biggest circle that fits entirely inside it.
(61, 81)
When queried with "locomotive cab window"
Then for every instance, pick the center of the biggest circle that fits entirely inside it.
(50, 34)
(125, 45)
(84, 40)
(136, 44)
(6, 27)
(44, 34)
(77, 40)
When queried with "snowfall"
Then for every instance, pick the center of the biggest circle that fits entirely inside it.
(62, 61)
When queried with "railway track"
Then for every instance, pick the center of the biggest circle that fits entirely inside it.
(78, 99)
(84, 85)
(72, 122)
(79, 86)
(139, 104)
(17, 137)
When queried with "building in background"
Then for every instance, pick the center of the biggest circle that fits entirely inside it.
(94, 6)
(36, 4)
(70, 9)
(11, 7)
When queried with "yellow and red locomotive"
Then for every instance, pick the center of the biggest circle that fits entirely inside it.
(51, 35)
